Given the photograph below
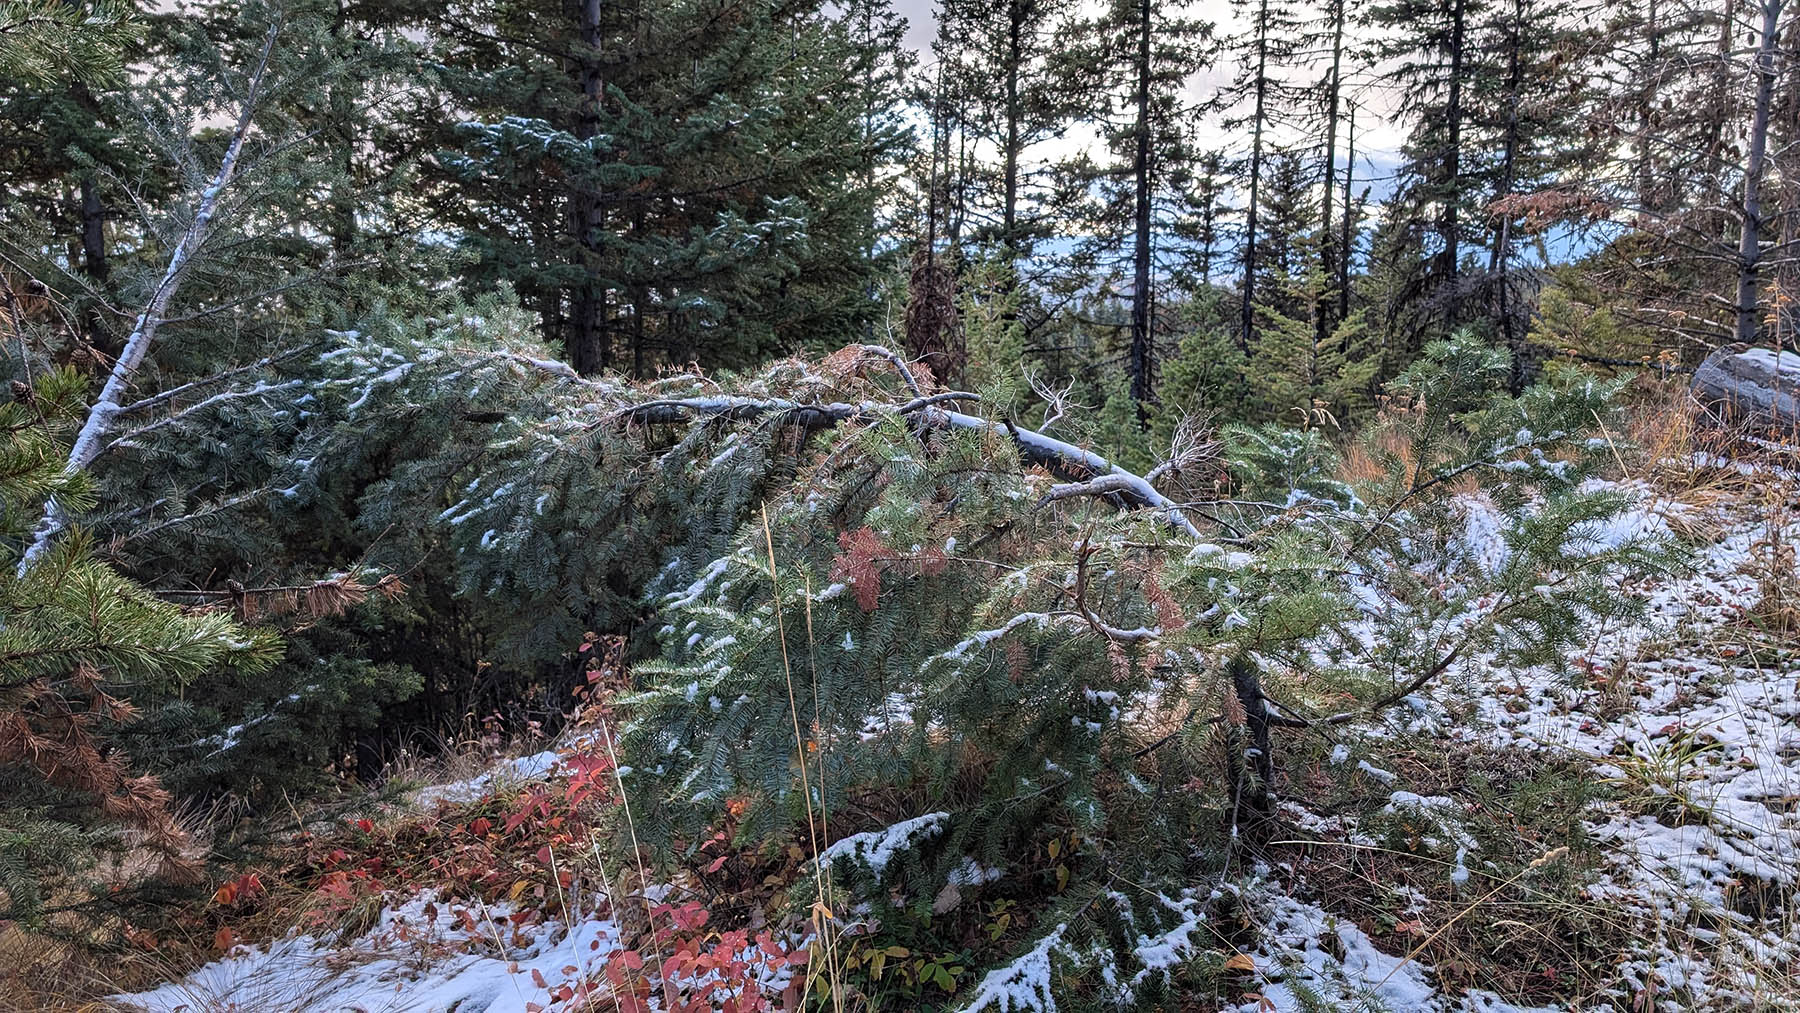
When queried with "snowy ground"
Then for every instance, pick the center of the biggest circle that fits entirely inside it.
(1699, 735)
(1701, 742)
(422, 957)
(1707, 730)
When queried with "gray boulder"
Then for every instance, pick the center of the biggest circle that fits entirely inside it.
(1754, 387)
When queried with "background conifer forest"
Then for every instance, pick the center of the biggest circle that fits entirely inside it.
(981, 505)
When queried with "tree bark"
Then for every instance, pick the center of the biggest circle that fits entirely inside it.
(1323, 321)
(1497, 260)
(589, 345)
(1749, 252)
(1015, 55)
(94, 262)
(1348, 247)
(1448, 224)
(1247, 323)
(1141, 355)
(1253, 754)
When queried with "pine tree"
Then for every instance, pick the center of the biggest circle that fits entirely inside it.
(75, 638)
(1002, 55)
(666, 183)
(63, 101)
(1431, 44)
(75, 635)
(1265, 47)
(1132, 61)
(1529, 103)
(1303, 373)
(858, 664)
(950, 617)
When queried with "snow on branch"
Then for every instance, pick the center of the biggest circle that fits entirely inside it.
(1088, 473)
(100, 417)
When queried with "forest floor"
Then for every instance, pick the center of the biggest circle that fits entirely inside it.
(1618, 833)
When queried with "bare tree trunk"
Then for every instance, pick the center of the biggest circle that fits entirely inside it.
(1253, 753)
(1328, 252)
(1720, 110)
(1448, 224)
(1749, 253)
(1141, 357)
(589, 346)
(1015, 55)
(1647, 103)
(1247, 322)
(1348, 246)
(125, 367)
(94, 262)
(1498, 267)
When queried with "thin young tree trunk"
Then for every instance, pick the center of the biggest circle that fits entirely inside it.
(1141, 364)
(1010, 241)
(1647, 104)
(1349, 225)
(589, 347)
(1015, 55)
(1721, 108)
(1497, 260)
(343, 189)
(94, 262)
(1328, 255)
(100, 416)
(1247, 322)
(1749, 253)
(1253, 757)
(1448, 225)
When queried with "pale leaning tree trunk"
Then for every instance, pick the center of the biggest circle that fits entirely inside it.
(100, 417)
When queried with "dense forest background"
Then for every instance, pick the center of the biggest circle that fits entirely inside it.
(373, 360)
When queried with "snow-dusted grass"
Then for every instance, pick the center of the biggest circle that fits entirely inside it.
(1684, 733)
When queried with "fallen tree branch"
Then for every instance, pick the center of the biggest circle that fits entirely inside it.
(1063, 460)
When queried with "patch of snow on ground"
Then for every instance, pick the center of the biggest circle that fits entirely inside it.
(1703, 745)
(421, 957)
(523, 768)
(1300, 970)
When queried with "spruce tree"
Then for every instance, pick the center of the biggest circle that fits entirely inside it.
(667, 183)
(1131, 62)
(856, 665)
(1266, 46)
(1430, 46)
(1003, 53)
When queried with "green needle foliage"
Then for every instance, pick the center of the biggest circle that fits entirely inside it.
(44, 40)
(75, 636)
(947, 628)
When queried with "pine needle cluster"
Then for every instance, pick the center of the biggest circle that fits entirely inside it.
(76, 637)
